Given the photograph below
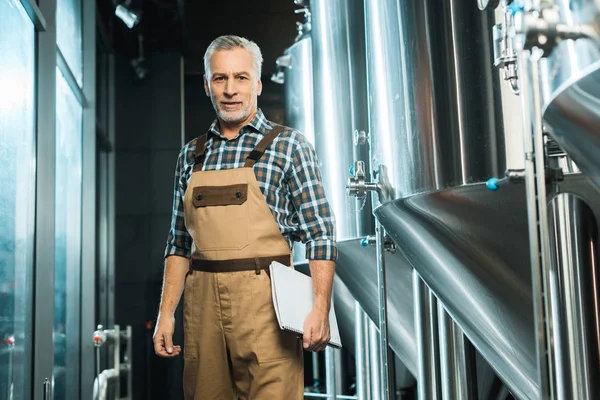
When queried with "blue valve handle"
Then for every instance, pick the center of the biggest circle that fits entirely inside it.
(493, 184)
(352, 170)
(515, 7)
(364, 242)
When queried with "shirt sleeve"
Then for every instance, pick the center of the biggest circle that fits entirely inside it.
(316, 219)
(179, 241)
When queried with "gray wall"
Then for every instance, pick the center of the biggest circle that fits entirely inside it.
(148, 140)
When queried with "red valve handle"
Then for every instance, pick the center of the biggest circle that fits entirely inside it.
(10, 340)
(97, 338)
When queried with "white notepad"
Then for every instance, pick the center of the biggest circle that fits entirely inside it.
(293, 301)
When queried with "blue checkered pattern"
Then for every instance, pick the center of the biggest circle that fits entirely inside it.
(288, 176)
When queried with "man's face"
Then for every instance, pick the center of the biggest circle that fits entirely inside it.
(233, 86)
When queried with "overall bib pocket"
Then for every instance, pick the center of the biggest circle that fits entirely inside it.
(222, 209)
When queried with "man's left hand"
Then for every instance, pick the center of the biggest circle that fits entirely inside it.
(316, 331)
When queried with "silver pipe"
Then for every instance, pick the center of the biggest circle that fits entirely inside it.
(537, 219)
(457, 367)
(10, 386)
(374, 364)
(117, 356)
(129, 362)
(315, 369)
(428, 386)
(96, 387)
(360, 353)
(574, 276)
(326, 396)
(330, 373)
(46, 390)
(101, 383)
(340, 383)
(383, 330)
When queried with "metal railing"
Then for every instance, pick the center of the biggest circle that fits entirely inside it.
(115, 337)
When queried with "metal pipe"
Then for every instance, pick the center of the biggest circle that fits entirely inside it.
(457, 360)
(117, 356)
(383, 330)
(101, 383)
(315, 370)
(129, 362)
(575, 313)
(46, 389)
(360, 353)
(10, 342)
(330, 372)
(535, 187)
(326, 396)
(428, 386)
(374, 364)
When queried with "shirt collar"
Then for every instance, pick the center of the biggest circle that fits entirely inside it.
(258, 124)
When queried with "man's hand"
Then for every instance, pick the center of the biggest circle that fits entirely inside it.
(316, 331)
(163, 337)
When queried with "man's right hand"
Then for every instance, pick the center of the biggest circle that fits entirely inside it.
(163, 337)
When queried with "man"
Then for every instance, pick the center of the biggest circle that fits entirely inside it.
(244, 192)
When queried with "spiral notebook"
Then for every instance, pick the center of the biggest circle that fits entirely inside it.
(293, 301)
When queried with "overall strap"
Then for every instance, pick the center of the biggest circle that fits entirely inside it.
(260, 148)
(200, 152)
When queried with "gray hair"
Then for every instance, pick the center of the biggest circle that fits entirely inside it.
(229, 42)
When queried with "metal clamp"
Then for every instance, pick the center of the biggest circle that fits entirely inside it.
(304, 27)
(540, 27)
(505, 55)
(282, 63)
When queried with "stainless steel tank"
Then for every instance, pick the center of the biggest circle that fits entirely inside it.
(571, 86)
(296, 66)
(435, 119)
(298, 83)
(296, 75)
(336, 77)
(436, 122)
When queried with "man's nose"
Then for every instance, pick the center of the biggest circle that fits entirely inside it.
(230, 87)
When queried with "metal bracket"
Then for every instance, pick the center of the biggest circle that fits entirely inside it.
(540, 27)
(505, 55)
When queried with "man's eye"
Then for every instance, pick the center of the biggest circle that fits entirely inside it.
(242, 77)
(219, 79)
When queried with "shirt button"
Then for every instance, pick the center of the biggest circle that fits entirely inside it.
(238, 195)
(199, 197)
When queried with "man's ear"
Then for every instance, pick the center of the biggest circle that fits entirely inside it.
(259, 91)
(206, 90)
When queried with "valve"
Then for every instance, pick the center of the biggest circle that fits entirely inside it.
(388, 243)
(368, 240)
(518, 175)
(99, 336)
(357, 186)
(510, 176)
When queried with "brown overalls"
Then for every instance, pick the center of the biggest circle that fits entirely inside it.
(233, 346)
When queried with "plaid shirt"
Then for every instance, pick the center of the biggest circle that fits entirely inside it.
(288, 176)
